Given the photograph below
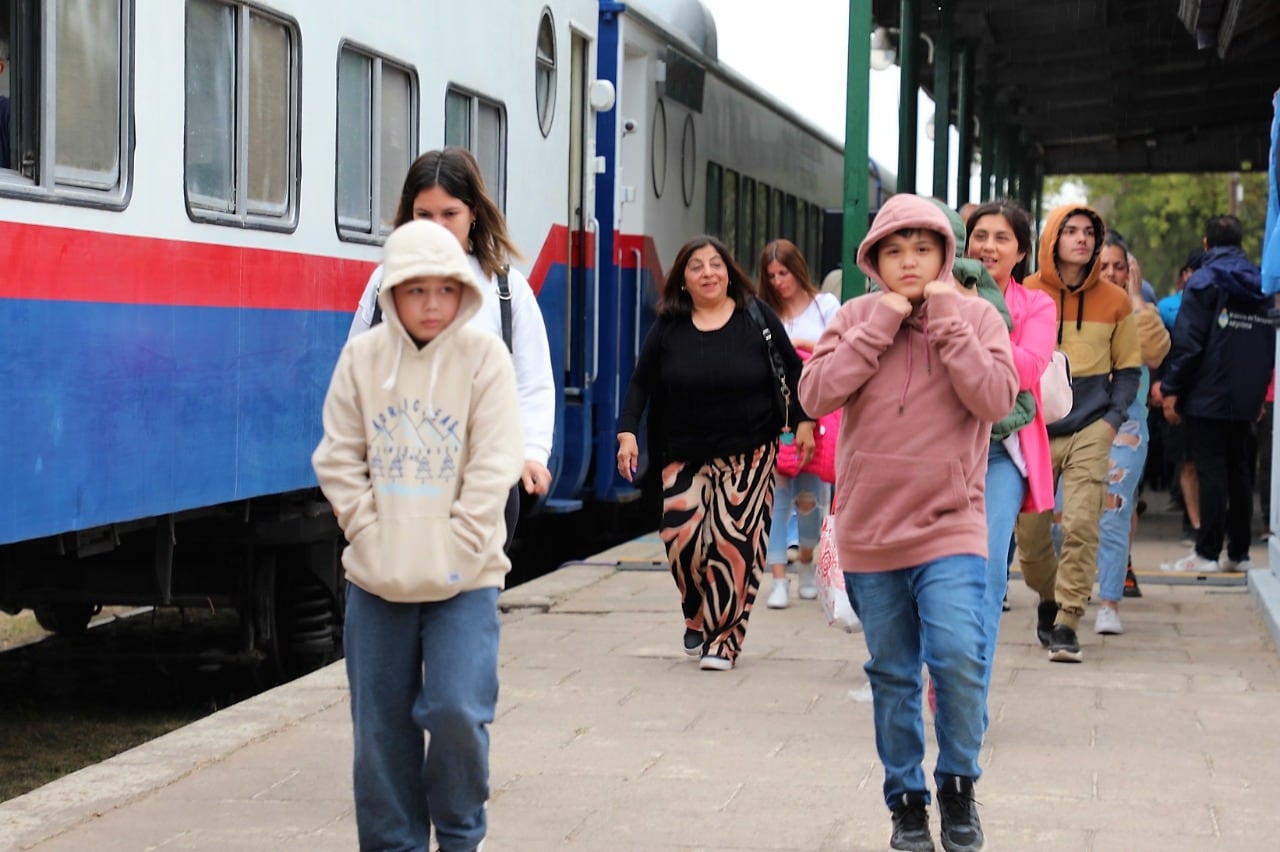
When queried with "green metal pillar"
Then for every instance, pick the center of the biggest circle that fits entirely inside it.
(908, 105)
(856, 156)
(964, 124)
(942, 101)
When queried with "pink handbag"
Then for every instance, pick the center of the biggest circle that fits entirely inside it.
(823, 462)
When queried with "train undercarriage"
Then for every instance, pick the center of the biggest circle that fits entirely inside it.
(275, 560)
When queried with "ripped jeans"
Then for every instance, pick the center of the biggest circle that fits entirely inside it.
(794, 495)
(1124, 473)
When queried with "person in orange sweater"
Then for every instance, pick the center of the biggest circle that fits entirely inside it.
(920, 373)
(1097, 331)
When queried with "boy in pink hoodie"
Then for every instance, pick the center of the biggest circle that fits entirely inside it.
(921, 373)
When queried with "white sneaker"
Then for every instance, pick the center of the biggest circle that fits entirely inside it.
(1234, 565)
(1193, 563)
(1107, 622)
(715, 663)
(781, 594)
(808, 584)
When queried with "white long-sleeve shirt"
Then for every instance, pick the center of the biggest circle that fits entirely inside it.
(531, 355)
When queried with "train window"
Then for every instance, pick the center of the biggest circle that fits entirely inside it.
(479, 125)
(377, 100)
(762, 216)
(545, 71)
(715, 197)
(775, 215)
(789, 217)
(729, 212)
(747, 244)
(241, 115)
(65, 99)
(801, 235)
(815, 238)
(658, 148)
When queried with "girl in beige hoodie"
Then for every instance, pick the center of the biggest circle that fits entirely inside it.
(421, 447)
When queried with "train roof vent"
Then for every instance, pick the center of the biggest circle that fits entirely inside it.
(686, 18)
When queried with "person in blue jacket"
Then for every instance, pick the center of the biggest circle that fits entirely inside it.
(1215, 379)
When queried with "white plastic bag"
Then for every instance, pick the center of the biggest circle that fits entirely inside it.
(830, 580)
(1056, 397)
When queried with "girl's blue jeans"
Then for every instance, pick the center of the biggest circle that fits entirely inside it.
(1128, 458)
(415, 668)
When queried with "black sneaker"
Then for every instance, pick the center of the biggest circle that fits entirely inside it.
(1131, 587)
(961, 830)
(693, 642)
(911, 824)
(1064, 647)
(1046, 612)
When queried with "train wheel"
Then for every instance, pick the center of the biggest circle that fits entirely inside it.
(297, 619)
(66, 619)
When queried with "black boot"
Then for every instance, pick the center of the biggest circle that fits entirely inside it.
(961, 830)
(911, 824)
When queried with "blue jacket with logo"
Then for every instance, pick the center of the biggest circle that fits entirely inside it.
(1223, 346)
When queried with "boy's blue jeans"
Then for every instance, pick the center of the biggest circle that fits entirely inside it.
(416, 667)
(930, 614)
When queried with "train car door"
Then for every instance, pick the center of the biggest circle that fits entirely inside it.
(580, 331)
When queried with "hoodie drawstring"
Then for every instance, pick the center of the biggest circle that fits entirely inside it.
(1062, 311)
(928, 361)
(395, 370)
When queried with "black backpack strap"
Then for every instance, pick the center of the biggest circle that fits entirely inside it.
(783, 390)
(504, 306)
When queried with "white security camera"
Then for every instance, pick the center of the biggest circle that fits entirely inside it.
(629, 125)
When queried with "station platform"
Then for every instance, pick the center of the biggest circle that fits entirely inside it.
(609, 738)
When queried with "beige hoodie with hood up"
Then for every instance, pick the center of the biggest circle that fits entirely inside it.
(422, 446)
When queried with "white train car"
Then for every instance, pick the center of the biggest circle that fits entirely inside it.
(194, 193)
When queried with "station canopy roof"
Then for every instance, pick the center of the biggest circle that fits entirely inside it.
(1113, 86)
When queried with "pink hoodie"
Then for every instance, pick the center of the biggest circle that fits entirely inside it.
(919, 396)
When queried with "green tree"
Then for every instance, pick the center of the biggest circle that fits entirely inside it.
(1162, 215)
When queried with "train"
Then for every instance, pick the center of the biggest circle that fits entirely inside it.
(196, 193)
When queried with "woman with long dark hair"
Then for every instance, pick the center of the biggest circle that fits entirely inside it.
(716, 411)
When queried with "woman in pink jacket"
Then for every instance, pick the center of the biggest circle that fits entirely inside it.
(1019, 468)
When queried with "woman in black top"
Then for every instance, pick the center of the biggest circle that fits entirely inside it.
(717, 409)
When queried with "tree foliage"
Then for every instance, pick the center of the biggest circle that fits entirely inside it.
(1162, 216)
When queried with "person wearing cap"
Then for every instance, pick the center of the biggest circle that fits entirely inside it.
(920, 373)
(417, 460)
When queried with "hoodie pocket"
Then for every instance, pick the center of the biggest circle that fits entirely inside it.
(412, 559)
(888, 499)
